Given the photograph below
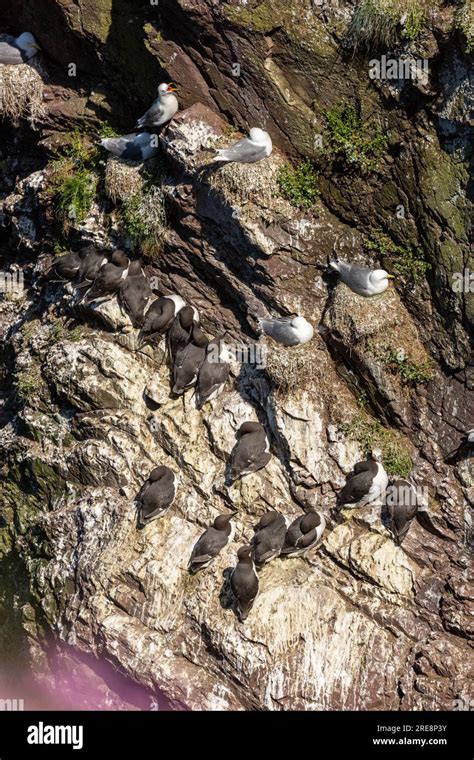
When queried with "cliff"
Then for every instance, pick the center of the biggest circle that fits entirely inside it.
(86, 413)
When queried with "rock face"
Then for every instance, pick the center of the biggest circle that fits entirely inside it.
(86, 413)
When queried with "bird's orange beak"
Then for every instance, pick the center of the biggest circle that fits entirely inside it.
(172, 88)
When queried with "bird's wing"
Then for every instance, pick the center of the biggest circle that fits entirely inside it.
(356, 487)
(209, 545)
(278, 329)
(243, 151)
(154, 114)
(358, 276)
(9, 52)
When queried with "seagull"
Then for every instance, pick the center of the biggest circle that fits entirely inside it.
(20, 50)
(255, 147)
(367, 481)
(362, 280)
(162, 109)
(137, 146)
(289, 331)
(304, 533)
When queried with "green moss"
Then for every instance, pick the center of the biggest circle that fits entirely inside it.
(357, 143)
(408, 261)
(144, 219)
(263, 18)
(107, 131)
(410, 371)
(464, 23)
(298, 185)
(27, 383)
(75, 195)
(370, 434)
(414, 23)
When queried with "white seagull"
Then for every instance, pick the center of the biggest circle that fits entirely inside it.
(362, 280)
(138, 146)
(17, 50)
(162, 109)
(289, 331)
(255, 147)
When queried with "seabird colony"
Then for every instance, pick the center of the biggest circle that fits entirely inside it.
(203, 364)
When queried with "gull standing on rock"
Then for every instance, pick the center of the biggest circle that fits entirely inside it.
(255, 147)
(362, 280)
(289, 331)
(304, 533)
(162, 109)
(211, 543)
(138, 146)
(367, 481)
(14, 51)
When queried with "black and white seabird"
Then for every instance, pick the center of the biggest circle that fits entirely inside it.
(465, 448)
(137, 146)
(211, 543)
(304, 533)
(66, 267)
(213, 373)
(92, 260)
(157, 494)
(159, 317)
(244, 582)
(17, 50)
(362, 280)
(134, 293)
(269, 537)
(402, 507)
(181, 330)
(289, 331)
(109, 278)
(367, 481)
(162, 109)
(255, 147)
(251, 452)
(188, 362)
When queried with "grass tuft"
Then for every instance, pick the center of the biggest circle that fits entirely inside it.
(356, 143)
(381, 24)
(408, 262)
(370, 434)
(299, 185)
(144, 219)
(21, 92)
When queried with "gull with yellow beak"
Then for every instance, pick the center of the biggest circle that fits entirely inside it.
(362, 280)
(162, 109)
(17, 50)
